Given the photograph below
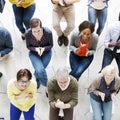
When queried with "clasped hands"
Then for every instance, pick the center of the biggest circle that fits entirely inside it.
(40, 50)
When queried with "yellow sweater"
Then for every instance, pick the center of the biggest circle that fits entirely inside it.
(24, 104)
(24, 4)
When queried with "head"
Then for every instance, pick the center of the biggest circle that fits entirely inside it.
(86, 28)
(23, 78)
(36, 26)
(62, 77)
(109, 73)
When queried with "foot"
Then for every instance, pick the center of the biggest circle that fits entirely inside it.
(1, 74)
(23, 36)
(60, 40)
(65, 41)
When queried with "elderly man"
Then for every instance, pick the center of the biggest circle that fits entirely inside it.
(6, 45)
(62, 94)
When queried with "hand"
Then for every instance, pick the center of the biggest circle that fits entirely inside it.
(20, 1)
(114, 99)
(59, 104)
(61, 3)
(77, 51)
(68, 2)
(41, 50)
(102, 95)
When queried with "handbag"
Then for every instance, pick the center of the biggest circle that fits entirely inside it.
(2, 5)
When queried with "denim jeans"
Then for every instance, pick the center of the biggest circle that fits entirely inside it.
(40, 63)
(101, 15)
(15, 113)
(54, 113)
(101, 110)
(79, 64)
(109, 56)
(23, 16)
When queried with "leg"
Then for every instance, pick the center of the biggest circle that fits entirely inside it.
(18, 13)
(92, 15)
(107, 110)
(102, 17)
(97, 109)
(107, 58)
(54, 114)
(68, 114)
(40, 72)
(117, 58)
(69, 14)
(56, 18)
(28, 13)
(30, 114)
(14, 113)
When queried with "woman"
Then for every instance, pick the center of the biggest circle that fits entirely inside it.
(97, 9)
(23, 12)
(22, 94)
(102, 92)
(82, 46)
(39, 41)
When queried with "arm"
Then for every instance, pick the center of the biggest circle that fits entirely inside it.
(71, 1)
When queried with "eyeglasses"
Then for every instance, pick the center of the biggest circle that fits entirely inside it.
(24, 81)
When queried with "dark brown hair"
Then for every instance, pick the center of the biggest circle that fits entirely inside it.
(86, 24)
(24, 73)
(35, 22)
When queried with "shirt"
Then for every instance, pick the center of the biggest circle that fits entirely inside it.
(69, 95)
(6, 45)
(22, 104)
(112, 34)
(46, 40)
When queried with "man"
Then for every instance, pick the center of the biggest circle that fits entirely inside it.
(62, 94)
(6, 45)
(63, 8)
(112, 45)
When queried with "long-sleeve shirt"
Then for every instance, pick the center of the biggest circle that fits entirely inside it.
(75, 39)
(90, 1)
(24, 104)
(24, 3)
(69, 95)
(112, 34)
(45, 42)
(6, 45)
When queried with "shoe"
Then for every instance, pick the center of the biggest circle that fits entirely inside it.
(65, 41)
(60, 40)
(23, 37)
(1, 74)
(61, 118)
(46, 94)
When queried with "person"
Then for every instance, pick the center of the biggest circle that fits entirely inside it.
(63, 8)
(22, 92)
(83, 43)
(39, 41)
(112, 43)
(62, 94)
(98, 9)
(103, 92)
(6, 45)
(23, 12)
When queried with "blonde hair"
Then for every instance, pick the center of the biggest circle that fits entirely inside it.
(109, 69)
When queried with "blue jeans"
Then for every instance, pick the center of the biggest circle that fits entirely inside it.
(101, 15)
(40, 63)
(101, 110)
(23, 16)
(79, 64)
(109, 56)
(15, 113)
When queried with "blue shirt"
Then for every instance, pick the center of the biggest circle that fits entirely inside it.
(46, 40)
(6, 44)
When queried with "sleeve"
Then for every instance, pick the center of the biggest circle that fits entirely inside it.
(74, 101)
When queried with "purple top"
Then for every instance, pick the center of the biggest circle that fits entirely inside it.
(46, 40)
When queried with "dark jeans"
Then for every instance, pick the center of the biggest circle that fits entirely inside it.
(23, 16)
(109, 56)
(54, 114)
(79, 64)
(40, 63)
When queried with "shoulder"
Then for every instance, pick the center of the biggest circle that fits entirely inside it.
(47, 30)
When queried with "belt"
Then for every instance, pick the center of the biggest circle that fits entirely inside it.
(66, 5)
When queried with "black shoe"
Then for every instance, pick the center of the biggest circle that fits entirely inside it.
(46, 94)
(1, 74)
(61, 118)
(65, 41)
(23, 37)
(60, 40)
